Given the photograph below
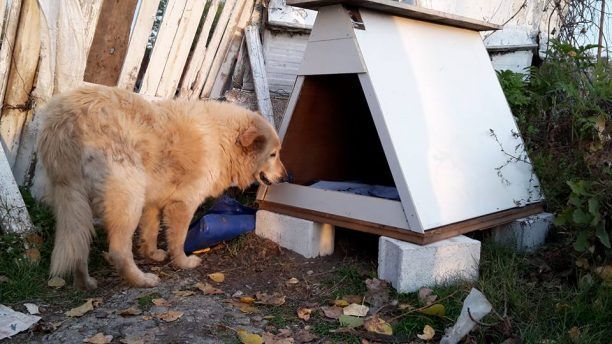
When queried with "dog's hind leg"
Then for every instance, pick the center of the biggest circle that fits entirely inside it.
(123, 202)
(82, 280)
(149, 229)
(177, 216)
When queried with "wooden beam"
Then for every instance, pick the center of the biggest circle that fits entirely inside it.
(179, 51)
(228, 48)
(17, 103)
(8, 43)
(430, 236)
(137, 44)
(403, 10)
(110, 42)
(258, 68)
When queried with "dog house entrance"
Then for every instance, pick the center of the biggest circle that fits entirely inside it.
(332, 137)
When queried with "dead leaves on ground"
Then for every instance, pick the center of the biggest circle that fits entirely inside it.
(428, 333)
(356, 310)
(208, 289)
(247, 337)
(81, 310)
(160, 302)
(169, 316)
(99, 338)
(332, 312)
(56, 282)
(131, 311)
(304, 313)
(274, 299)
(378, 325)
(218, 277)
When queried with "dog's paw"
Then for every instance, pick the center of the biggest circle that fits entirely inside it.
(187, 262)
(89, 283)
(148, 280)
(157, 255)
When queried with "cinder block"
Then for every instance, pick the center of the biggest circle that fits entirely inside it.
(308, 238)
(409, 267)
(526, 234)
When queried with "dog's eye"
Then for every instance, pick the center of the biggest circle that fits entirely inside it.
(273, 155)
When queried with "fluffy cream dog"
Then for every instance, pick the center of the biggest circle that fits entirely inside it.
(110, 153)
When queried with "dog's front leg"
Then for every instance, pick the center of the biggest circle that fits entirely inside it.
(177, 216)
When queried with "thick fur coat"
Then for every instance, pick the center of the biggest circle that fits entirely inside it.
(111, 154)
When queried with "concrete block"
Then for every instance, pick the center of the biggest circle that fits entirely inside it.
(408, 267)
(525, 234)
(308, 238)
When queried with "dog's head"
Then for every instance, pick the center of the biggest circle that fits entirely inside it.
(260, 141)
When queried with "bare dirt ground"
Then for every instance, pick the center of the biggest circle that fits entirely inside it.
(250, 265)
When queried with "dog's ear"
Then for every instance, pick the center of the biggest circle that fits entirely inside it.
(251, 138)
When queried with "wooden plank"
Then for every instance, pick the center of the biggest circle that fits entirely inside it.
(8, 42)
(110, 42)
(137, 44)
(14, 216)
(221, 69)
(403, 10)
(446, 232)
(91, 12)
(194, 63)
(212, 48)
(241, 63)
(163, 44)
(259, 72)
(2, 13)
(17, 102)
(183, 39)
(363, 208)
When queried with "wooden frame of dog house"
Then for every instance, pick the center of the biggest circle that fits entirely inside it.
(398, 95)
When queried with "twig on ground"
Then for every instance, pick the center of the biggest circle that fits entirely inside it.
(424, 307)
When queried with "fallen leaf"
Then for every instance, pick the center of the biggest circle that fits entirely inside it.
(247, 337)
(56, 282)
(403, 306)
(34, 239)
(378, 325)
(247, 299)
(574, 333)
(99, 338)
(238, 293)
(377, 292)
(353, 299)
(202, 251)
(304, 336)
(428, 333)
(276, 299)
(208, 289)
(183, 293)
(32, 308)
(244, 307)
(340, 303)
(280, 338)
(350, 321)
(33, 255)
(147, 317)
(84, 308)
(437, 309)
(293, 280)
(356, 310)
(160, 302)
(169, 316)
(217, 277)
(583, 263)
(605, 273)
(130, 311)
(333, 312)
(132, 340)
(427, 297)
(3, 279)
(304, 313)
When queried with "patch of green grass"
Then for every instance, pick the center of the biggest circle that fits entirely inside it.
(346, 280)
(27, 281)
(145, 302)
(322, 329)
(282, 316)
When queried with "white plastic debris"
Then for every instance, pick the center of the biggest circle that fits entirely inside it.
(478, 306)
(32, 308)
(12, 322)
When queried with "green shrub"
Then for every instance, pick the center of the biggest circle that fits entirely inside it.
(563, 109)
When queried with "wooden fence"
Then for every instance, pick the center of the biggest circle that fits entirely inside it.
(158, 48)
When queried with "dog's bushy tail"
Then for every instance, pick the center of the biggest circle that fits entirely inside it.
(60, 151)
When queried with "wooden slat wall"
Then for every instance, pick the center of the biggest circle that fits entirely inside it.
(8, 42)
(138, 43)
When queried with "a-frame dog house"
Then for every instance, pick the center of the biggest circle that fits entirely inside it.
(398, 95)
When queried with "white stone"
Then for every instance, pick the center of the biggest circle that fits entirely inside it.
(409, 267)
(525, 234)
(308, 238)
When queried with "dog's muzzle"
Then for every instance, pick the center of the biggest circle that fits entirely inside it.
(264, 179)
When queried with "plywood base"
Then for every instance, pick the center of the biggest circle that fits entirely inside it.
(433, 235)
